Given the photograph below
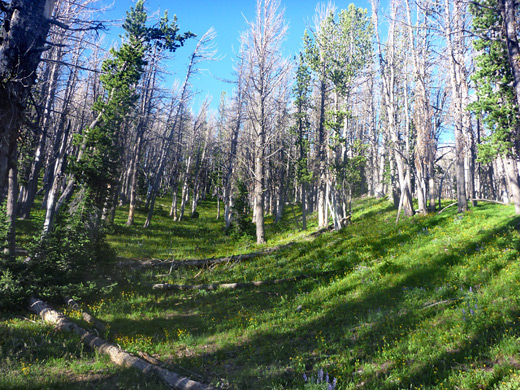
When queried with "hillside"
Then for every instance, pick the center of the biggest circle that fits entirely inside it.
(432, 303)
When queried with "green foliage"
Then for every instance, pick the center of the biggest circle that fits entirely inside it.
(496, 102)
(339, 51)
(4, 227)
(341, 48)
(99, 166)
(351, 169)
(302, 102)
(241, 213)
(68, 255)
(429, 304)
(62, 263)
(11, 289)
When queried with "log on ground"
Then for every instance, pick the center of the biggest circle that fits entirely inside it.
(214, 286)
(136, 263)
(116, 354)
(89, 318)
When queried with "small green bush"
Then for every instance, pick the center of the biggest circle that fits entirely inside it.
(64, 262)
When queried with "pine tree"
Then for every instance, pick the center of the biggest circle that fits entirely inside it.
(99, 162)
(497, 102)
(302, 92)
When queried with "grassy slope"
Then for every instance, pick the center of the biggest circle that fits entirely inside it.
(431, 303)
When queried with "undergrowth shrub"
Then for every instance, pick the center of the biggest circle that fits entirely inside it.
(9, 280)
(64, 262)
(4, 228)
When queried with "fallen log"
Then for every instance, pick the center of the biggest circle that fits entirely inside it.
(439, 303)
(137, 263)
(215, 286)
(89, 318)
(116, 354)
(476, 200)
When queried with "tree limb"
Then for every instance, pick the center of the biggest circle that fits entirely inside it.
(474, 199)
(96, 27)
(215, 286)
(206, 262)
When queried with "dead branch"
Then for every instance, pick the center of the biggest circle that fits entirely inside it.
(215, 286)
(95, 26)
(116, 354)
(489, 200)
(439, 303)
(475, 199)
(131, 261)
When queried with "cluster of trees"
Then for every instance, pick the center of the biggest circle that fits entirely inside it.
(422, 102)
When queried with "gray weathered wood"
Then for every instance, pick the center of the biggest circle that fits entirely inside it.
(135, 262)
(215, 286)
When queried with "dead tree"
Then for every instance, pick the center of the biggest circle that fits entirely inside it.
(267, 69)
(23, 34)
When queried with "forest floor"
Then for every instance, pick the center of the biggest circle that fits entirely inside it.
(431, 303)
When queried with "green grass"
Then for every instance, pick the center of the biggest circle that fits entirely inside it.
(192, 238)
(433, 303)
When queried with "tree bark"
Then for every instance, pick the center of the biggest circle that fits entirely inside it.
(322, 169)
(457, 78)
(24, 31)
(512, 175)
(388, 76)
(259, 185)
(509, 11)
(12, 197)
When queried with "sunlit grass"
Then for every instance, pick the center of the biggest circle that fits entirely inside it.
(190, 238)
(432, 303)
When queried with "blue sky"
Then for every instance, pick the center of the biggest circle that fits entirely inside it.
(228, 19)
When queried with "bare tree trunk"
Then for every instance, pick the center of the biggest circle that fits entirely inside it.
(185, 189)
(512, 175)
(322, 169)
(24, 30)
(267, 71)
(52, 207)
(28, 191)
(134, 162)
(173, 209)
(203, 51)
(457, 77)
(259, 185)
(116, 354)
(424, 154)
(509, 11)
(12, 197)
(388, 70)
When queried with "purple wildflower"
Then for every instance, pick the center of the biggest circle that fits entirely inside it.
(332, 385)
(320, 376)
(305, 378)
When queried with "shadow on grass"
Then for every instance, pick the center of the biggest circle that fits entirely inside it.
(345, 330)
(340, 329)
(124, 378)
